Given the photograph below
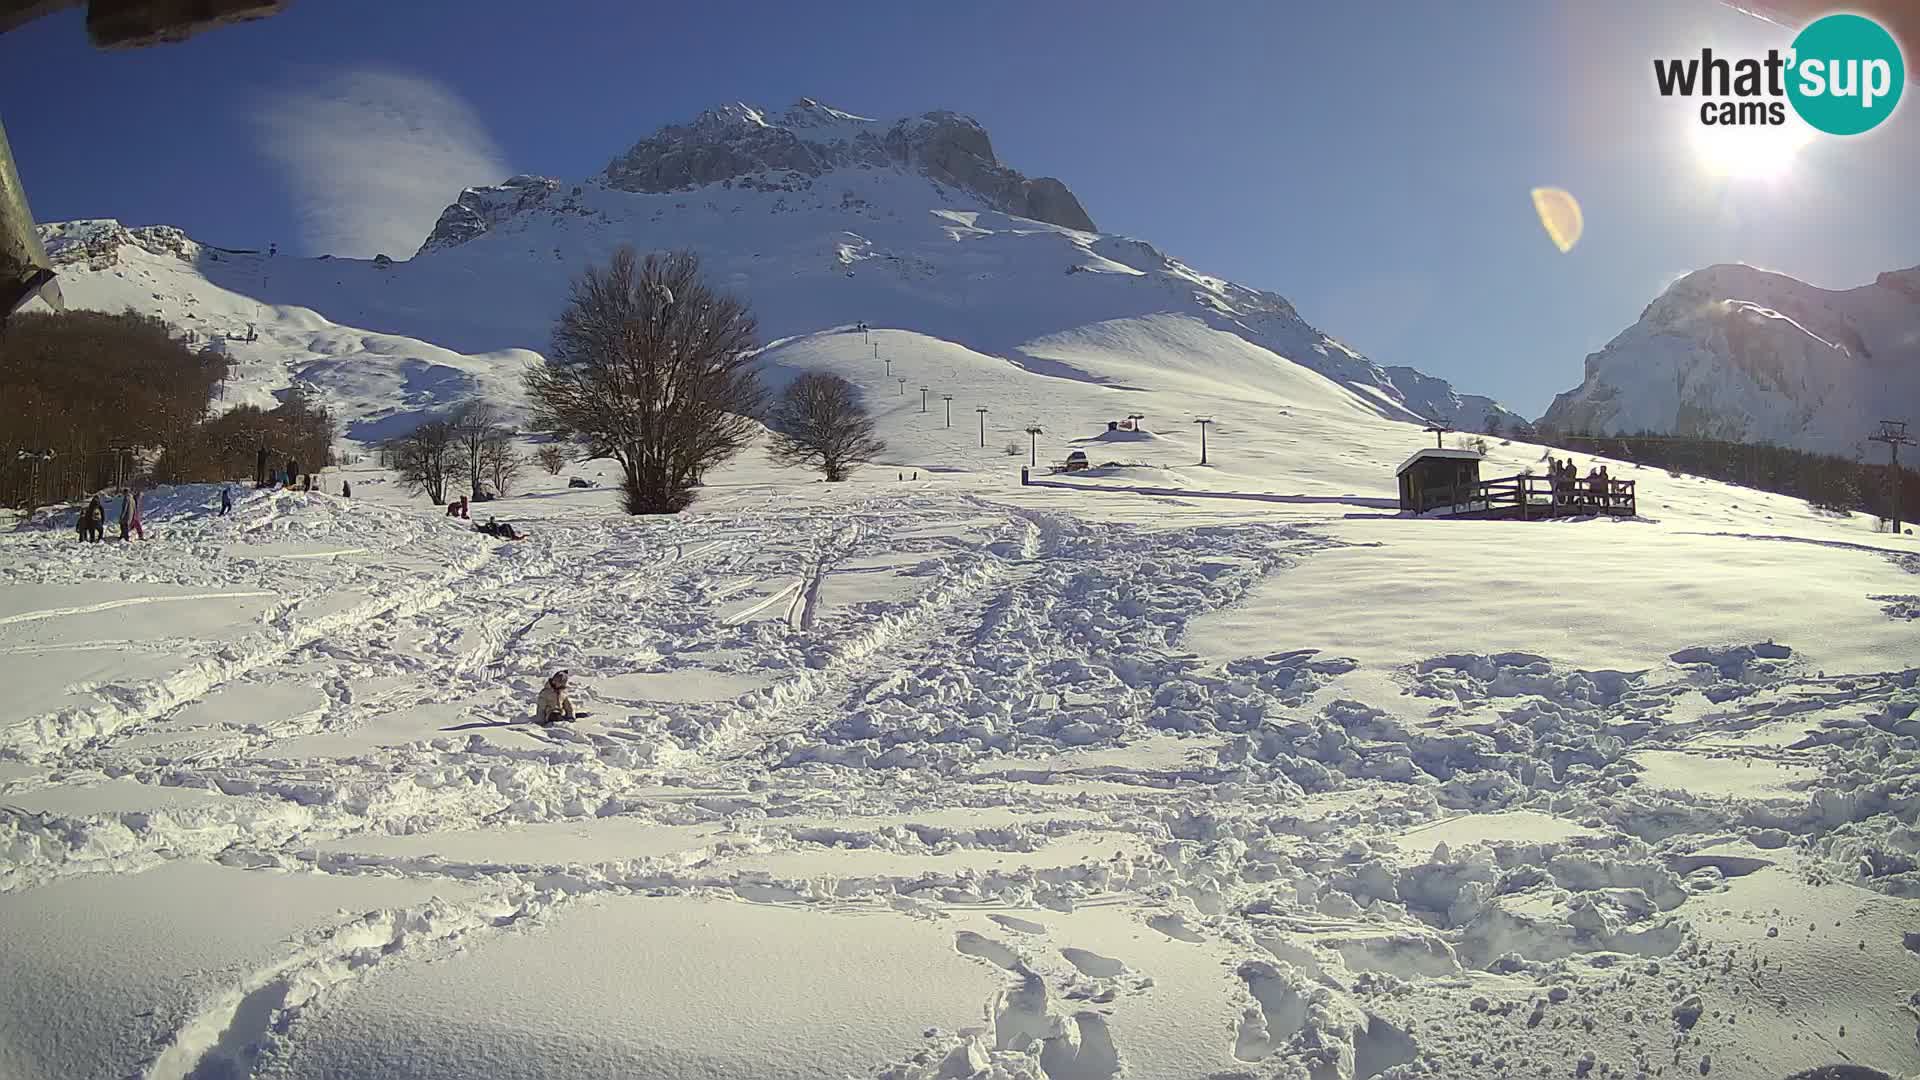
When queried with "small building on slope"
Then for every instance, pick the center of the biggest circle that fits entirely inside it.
(1436, 476)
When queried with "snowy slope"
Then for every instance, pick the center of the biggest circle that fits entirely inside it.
(819, 218)
(1739, 353)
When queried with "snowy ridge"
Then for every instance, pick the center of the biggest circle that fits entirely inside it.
(1735, 352)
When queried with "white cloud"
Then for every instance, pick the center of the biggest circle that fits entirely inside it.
(371, 158)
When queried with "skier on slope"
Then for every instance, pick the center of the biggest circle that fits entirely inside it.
(554, 705)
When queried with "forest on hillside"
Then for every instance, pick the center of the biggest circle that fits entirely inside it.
(97, 400)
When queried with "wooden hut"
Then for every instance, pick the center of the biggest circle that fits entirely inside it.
(1436, 476)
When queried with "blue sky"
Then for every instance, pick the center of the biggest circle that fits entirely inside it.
(1371, 162)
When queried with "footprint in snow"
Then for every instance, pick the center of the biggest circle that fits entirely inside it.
(1175, 927)
(1093, 965)
(1018, 925)
(984, 947)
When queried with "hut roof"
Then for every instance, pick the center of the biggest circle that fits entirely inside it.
(1439, 452)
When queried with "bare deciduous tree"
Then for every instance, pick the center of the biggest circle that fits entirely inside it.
(423, 458)
(480, 442)
(502, 464)
(650, 367)
(552, 457)
(821, 423)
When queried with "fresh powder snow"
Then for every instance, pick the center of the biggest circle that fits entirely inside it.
(1150, 770)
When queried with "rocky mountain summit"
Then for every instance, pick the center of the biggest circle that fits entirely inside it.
(1740, 353)
(745, 145)
(741, 146)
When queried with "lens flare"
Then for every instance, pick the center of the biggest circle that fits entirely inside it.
(1560, 215)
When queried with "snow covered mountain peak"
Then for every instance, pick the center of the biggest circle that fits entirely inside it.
(1737, 352)
(746, 145)
(739, 145)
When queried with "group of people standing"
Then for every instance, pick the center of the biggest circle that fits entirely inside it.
(1570, 488)
(93, 518)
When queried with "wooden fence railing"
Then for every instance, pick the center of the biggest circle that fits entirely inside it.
(1536, 497)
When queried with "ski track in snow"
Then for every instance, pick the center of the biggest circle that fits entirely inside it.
(1029, 672)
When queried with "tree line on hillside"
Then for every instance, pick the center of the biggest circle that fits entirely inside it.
(97, 399)
(1826, 481)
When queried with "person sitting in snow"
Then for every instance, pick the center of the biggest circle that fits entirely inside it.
(554, 705)
(502, 529)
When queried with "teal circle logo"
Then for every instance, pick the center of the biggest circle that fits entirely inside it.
(1847, 74)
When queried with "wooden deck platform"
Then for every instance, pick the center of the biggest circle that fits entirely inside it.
(1529, 498)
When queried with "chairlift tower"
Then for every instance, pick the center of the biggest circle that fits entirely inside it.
(1033, 445)
(1894, 434)
(38, 458)
(948, 398)
(982, 410)
(1203, 422)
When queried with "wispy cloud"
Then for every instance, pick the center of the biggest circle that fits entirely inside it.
(372, 157)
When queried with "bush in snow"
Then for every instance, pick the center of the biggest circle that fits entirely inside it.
(650, 367)
(552, 458)
(821, 423)
(423, 457)
(1014, 449)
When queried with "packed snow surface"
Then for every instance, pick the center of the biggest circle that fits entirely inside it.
(1166, 771)
(1152, 770)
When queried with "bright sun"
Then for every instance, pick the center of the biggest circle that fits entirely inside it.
(1750, 153)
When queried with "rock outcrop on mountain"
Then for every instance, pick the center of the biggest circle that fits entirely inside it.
(481, 208)
(96, 242)
(1734, 352)
(741, 144)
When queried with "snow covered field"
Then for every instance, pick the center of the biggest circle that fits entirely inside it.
(1156, 770)
(950, 777)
